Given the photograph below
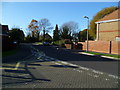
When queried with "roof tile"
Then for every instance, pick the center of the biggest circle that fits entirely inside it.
(113, 15)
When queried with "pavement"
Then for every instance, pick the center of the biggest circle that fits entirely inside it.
(100, 56)
(40, 70)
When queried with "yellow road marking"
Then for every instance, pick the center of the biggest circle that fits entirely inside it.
(16, 67)
(7, 68)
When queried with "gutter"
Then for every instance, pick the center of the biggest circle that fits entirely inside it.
(113, 20)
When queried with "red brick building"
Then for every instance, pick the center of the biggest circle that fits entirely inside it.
(108, 28)
(108, 35)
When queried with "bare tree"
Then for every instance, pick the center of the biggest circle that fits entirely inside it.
(45, 25)
(73, 26)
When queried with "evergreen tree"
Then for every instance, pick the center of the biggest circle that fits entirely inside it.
(65, 34)
(16, 35)
(56, 34)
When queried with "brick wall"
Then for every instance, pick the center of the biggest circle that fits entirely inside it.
(108, 31)
(112, 47)
(115, 47)
(108, 36)
(109, 26)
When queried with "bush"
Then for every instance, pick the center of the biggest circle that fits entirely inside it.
(48, 40)
(68, 41)
(30, 39)
(59, 43)
(63, 45)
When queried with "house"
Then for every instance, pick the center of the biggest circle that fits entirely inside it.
(107, 36)
(4, 30)
(108, 28)
(4, 36)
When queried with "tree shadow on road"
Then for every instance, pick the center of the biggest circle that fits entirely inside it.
(70, 55)
(19, 76)
(63, 66)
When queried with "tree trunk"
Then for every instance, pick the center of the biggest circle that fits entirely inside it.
(38, 35)
(43, 35)
(33, 34)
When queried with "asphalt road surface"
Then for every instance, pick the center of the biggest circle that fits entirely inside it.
(95, 62)
(38, 66)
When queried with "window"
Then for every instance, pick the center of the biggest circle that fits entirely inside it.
(117, 38)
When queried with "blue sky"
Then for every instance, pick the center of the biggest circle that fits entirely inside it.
(21, 13)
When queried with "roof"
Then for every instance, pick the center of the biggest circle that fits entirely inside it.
(111, 16)
(5, 29)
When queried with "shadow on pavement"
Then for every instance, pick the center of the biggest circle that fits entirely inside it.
(34, 64)
(69, 55)
(10, 76)
(23, 52)
(63, 66)
(95, 62)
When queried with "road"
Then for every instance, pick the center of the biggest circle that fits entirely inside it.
(98, 63)
(49, 67)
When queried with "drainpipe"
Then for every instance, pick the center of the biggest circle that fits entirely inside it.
(97, 32)
(110, 48)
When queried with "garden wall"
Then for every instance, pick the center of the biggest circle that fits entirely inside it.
(112, 47)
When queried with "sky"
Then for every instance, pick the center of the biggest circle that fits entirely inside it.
(21, 13)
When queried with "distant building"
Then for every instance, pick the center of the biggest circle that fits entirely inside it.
(4, 30)
(108, 28)
(4, 36)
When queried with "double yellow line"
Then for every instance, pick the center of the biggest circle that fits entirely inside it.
(16, 67)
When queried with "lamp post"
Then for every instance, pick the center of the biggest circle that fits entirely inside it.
(87, 33)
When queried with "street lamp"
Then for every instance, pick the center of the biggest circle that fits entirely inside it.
(87, 33)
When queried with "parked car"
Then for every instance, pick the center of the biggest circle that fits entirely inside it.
(46, 43)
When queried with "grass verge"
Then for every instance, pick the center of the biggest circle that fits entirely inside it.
(10, 52)
(40, 43)
(102, 54)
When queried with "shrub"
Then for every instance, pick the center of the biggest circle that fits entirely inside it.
(63, 45)
(60, 42)
(68, 41)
